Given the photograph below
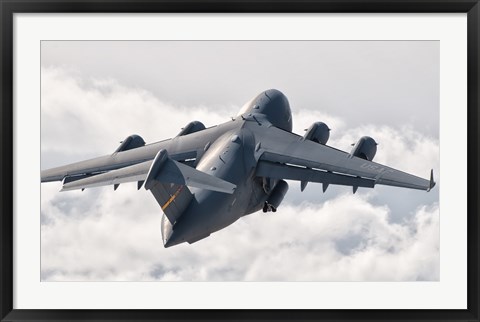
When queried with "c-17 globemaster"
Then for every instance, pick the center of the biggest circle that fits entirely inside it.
(205, 179)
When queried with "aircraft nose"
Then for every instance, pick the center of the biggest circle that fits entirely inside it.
(277, 109)
(274, 94)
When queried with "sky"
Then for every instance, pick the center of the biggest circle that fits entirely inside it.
(95, 94)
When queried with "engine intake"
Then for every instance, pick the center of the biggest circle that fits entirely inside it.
(318, 132)
(365, 148)
(131, 142)
(192, 127)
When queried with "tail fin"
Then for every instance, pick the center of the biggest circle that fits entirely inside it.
(168, 180)
(172, 198)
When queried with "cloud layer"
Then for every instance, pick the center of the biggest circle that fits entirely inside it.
(116, 236)
(383, 234)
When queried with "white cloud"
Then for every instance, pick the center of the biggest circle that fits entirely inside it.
(302, 119)
(342, 239)
(94, 115)
(101, 235)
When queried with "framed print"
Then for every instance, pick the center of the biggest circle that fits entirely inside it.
(164, 125)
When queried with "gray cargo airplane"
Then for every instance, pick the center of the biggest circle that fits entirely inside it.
(205, 179)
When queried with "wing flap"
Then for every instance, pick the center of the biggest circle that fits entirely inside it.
(137, 172)
(281, 171)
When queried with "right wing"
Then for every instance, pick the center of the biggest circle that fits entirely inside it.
(284, 155)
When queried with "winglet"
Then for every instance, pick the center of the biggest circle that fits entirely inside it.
(432, 182)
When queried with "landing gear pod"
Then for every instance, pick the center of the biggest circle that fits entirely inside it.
(318, 132)
(276, 196)
(365, 148)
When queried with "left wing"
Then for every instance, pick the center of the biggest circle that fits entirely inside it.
(161, 169)
(284, 155)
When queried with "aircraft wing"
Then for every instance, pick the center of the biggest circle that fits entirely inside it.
(161, 169)
(137, 172)
(284, 155)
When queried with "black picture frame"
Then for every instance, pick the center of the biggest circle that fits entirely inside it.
(9, 7)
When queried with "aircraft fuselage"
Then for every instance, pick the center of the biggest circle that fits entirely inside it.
(231, 157)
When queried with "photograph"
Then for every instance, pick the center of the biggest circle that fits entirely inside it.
(240, 161)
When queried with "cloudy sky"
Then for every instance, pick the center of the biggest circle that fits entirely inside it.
(94, 94)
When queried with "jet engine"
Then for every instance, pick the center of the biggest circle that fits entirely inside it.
(192, 127)
(276, 196)
(131, 142)
(365, 148)
(318, 132)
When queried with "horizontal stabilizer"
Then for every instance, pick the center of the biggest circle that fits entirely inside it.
(166, 170)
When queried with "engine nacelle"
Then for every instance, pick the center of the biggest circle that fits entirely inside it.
(276, 196)
(365, 148)
(131, 142)
(192, 127)
(318, 132)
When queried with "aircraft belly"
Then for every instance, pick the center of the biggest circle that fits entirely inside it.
(211, 211)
